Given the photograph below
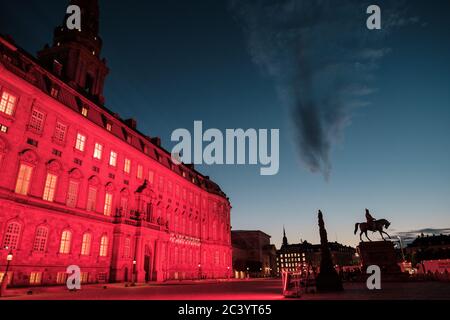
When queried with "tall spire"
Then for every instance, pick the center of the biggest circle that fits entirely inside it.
(79, 52)
(285, 242)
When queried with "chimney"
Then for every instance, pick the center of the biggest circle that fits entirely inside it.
(131, 123)
(156, 141)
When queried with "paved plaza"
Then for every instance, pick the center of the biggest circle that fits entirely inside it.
(268, 289)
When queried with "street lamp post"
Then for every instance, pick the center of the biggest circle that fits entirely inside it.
(401, 247)
(4, 283)
(199, 271)
(248, 273)
(228, 273)
(133, 283)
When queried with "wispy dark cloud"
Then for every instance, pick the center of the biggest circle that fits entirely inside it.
(323, 60)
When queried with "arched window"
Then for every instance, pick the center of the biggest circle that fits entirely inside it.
(40, 239)
(91, 199)
(103, 246)
(93, 188)
(66, 241)
(12, 234)
(107, 209)
(50, 187)
(72, 193)
(23, 179)
(54, 169)
(86, 244)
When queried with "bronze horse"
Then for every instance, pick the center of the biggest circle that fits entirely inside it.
(377, 225)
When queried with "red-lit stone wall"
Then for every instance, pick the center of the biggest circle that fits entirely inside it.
(175, 224)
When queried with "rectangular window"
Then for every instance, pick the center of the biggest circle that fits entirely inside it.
(140, 171)
(113, 159)
(126, 248)
(61, 278)
(103, 246)
(197, 200)
(98, 151)
(3, 128)
(92, 199)
(151, 176)
(35, 278)
(10, 274)
(81, 142)
(54, 92)
(23, 179)
(32, 142)
(84, 111)
(108, 204)
(72, 194)
(127, 165)
(8, 103)
(109, 126)
(84, 277)
(161, 184)
(36, 121)
(57, 152)
(60, 132)
(169, 187)
(50, 186)
(124, 204)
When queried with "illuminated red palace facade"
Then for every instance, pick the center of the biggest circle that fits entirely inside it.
(80, 186)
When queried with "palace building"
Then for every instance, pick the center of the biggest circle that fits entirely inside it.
(81, 186)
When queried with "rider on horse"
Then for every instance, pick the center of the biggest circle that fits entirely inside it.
(370, 220)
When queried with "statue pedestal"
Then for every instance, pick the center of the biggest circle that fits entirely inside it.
(382, 254)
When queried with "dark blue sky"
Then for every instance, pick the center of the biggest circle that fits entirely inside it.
(173, 62)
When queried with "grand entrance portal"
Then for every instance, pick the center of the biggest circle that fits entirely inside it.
(148, 264)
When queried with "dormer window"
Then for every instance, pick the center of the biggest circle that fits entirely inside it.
(109, 127)
(84, 111)
(54, 92)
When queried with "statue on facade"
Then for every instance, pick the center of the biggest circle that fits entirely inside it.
(373, 225)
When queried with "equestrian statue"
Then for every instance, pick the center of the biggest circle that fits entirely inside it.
(372, 225)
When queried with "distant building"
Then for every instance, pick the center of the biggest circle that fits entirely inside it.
(429, 248)
(253, 255)
(290, 257)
